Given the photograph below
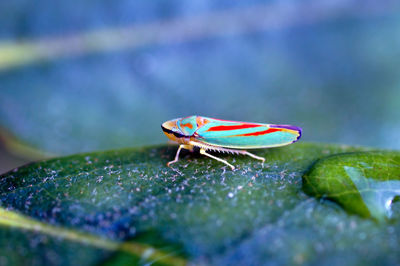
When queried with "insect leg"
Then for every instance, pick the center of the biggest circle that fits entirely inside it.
(250, 154)
(255, 156)
(182, 146)
(202, 151)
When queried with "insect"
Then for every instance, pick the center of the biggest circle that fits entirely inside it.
(227, 136)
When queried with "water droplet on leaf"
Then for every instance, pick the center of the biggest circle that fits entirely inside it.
(363, 183)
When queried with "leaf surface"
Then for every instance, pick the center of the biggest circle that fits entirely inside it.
(126, 206)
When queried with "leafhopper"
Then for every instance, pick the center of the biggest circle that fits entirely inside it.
(210, 134)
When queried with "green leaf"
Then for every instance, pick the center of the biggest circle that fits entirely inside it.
(127, 206)
(364, 183)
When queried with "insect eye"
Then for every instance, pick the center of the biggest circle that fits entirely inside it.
(177, 132)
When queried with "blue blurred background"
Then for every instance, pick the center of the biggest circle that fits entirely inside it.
(95, 75)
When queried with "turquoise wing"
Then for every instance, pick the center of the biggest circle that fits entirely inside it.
(243, 135)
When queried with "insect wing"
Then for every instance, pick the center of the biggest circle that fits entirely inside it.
(243, 135)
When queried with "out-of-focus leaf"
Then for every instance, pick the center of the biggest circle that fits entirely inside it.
(91, 243)
(119, 98)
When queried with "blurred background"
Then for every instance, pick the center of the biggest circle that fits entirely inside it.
(96, 75)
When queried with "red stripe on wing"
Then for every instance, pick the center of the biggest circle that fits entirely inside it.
(269, 130)
(233, 127)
